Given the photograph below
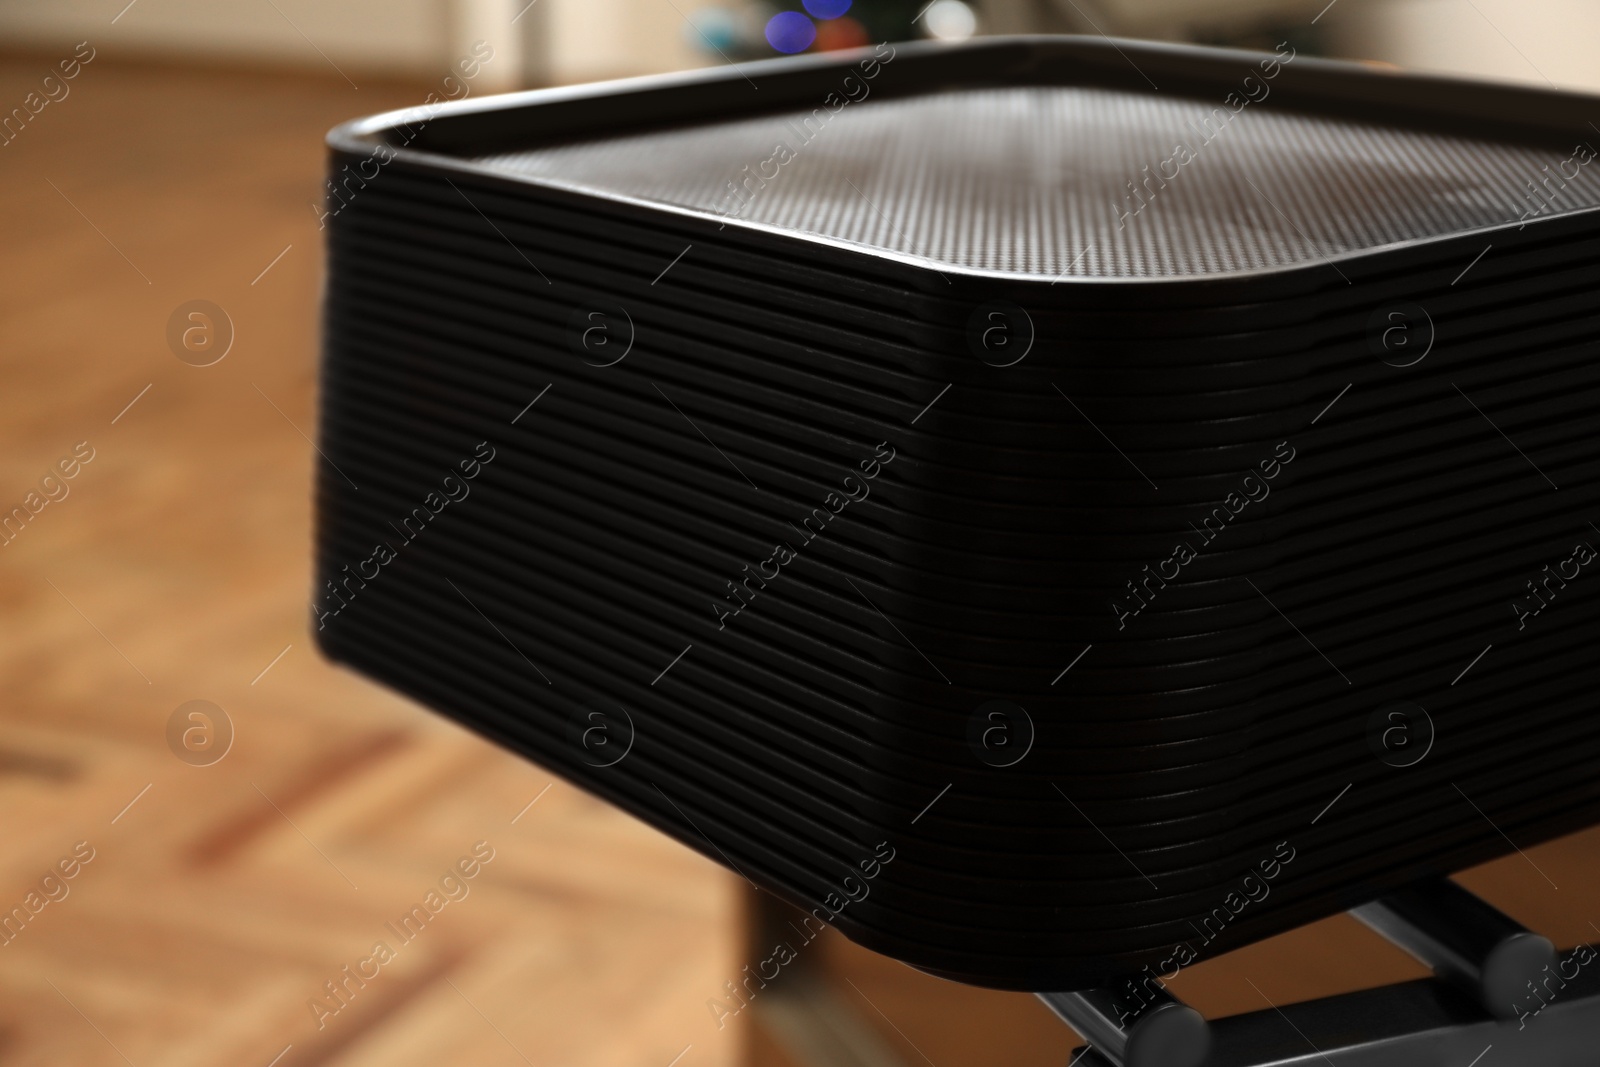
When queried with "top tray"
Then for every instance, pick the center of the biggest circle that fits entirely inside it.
(1043, 158)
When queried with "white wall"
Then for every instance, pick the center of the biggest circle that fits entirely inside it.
(408, 36)
(545, 41)
(575, 40)
(1534, 41)
(592, 39)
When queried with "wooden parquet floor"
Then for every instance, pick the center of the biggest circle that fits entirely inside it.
(220, 899)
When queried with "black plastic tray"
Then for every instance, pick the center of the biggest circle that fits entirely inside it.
(837, 711)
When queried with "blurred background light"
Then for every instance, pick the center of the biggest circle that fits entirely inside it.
(950, 20)
(790, 31)
(827, 9)
(716, 28)
(841, 33)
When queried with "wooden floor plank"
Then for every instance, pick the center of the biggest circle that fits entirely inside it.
(178, 568)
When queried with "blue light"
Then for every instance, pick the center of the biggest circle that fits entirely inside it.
(790, 31)
(827, 9)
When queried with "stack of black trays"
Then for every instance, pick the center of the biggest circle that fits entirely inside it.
(1049, 506)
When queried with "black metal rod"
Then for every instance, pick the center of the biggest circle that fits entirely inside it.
(1465, 940)
(1426, 1023)
(1154, 1030)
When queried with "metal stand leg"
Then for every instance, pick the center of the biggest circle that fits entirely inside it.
(1464, 940)
(1156, 1031)
(1499, 986)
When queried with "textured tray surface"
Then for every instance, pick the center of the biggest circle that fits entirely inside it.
(1040, 180)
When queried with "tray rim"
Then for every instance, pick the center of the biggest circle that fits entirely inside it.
(1510, 113)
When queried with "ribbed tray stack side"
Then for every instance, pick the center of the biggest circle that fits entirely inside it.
(1006, 618)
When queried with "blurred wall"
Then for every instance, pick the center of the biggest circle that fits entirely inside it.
(553, 41)
(538, 42)
(592, 39)
(363, 34)
(1536, 41)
